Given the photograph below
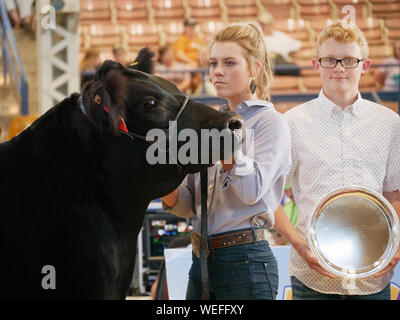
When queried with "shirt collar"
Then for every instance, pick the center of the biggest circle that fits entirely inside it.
(247, 104)
(330, 106)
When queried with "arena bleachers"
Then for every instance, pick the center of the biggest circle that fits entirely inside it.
(138, 23)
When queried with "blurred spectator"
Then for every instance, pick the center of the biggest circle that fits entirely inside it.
(120, 54)
(167, 67)
(89, 64)
(189, 45)
(20, 12)
(279, 46)
(388, 77)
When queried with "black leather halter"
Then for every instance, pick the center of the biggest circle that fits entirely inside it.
(133, 135)
(141, 137)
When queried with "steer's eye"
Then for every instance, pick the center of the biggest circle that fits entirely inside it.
(149, 103)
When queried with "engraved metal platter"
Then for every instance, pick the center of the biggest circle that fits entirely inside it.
(354, 232)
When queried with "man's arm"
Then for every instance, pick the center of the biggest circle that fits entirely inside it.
(285, 228)
(394, 199)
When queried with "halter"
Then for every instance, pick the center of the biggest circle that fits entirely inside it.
(122, 126)
(123, 129)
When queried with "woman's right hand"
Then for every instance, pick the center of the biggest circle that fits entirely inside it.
(304, 251)
(171, 199)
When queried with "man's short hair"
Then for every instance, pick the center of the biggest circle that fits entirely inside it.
(343, 31)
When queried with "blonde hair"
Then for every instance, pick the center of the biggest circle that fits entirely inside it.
(343, 31)
(250, 38)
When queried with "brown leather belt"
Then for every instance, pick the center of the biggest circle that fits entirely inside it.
(228, 239)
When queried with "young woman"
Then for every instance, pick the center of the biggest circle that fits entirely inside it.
(244, 192)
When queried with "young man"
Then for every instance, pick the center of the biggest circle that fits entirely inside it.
(339, 140)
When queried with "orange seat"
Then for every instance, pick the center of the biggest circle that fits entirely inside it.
(168, 10)
(392, 23)
(312, 84)
(94, 11)
(380, 51)
(305, 53)
(210, 27)
(203, 3)
(128, 11)
(242, 13)
(171, 30)
(314, 11)
(319, 24)
(241, 10)
(285, 85)
(374, 36)
(142, 35)
(385, 9)
(19, 124)
(306, 63)
(280, 9)
(394, 34)
(205, 10)
(295, 28)
(360, 6)
(240, 3)
(369, 23)
(103, 36)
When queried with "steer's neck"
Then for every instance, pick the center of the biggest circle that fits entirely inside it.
(130, 175)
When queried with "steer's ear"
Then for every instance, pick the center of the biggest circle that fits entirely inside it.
(103, 104)
(144, 61)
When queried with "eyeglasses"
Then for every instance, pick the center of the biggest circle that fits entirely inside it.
(329, 62)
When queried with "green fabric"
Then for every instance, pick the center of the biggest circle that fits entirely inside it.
(291, 211)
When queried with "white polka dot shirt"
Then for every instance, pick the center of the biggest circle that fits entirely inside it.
(334, 148)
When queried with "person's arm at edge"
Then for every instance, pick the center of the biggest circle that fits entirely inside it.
(285, 228)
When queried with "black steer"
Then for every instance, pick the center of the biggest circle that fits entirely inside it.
(74, 189)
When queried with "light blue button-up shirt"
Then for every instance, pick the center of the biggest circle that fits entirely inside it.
(248, 194)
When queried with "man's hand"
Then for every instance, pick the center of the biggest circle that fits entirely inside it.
(392, 264)
(305, 252)
(394, 198)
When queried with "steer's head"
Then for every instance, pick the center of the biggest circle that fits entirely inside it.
(179, 130)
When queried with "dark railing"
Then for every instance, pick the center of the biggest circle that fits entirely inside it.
(8, 57)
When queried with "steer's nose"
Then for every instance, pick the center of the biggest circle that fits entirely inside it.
(234, 123)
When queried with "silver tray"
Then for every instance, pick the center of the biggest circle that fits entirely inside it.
(353, 232)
